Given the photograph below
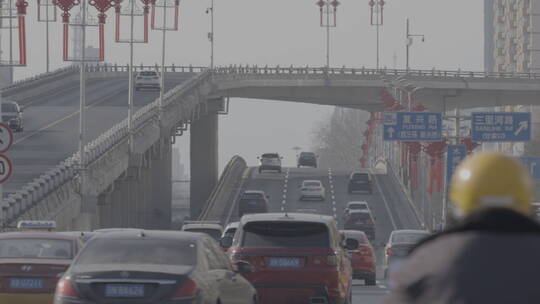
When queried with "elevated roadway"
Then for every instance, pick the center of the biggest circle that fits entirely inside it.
(51, 122)
(388, 204)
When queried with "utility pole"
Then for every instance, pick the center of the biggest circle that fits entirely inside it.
(377, 11)
(211, 34)
(328, 7)
(409, 42)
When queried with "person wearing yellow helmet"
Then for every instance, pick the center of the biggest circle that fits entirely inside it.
(491, 254)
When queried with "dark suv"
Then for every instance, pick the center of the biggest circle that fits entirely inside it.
(12, 115)
(360, 181)
(361, 220)
(253, 201)
(307, 159)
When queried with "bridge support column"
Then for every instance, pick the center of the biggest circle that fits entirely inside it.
(204, 161)
(159, 209)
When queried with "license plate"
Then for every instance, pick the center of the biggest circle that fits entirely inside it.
(124, 290)
(284, 263)
(25, 283)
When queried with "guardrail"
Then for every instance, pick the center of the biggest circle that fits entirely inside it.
(224, 196)
(35, 191)
(255, 70)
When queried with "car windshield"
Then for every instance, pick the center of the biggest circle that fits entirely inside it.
(307, 155)
(36, 248)
(286, 235)
(138, 251)
(214, 233)
(360, 177)
(358, 206)
(9, 107)
(312, 184)
(408, 237)
(270, 155)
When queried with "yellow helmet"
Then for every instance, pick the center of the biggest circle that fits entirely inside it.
(486, 180)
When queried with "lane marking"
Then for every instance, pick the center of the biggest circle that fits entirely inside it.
(385, 202)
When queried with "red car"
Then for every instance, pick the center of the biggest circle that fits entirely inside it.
(363, 258)
(296, 258)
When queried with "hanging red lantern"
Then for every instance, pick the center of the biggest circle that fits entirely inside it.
(102, 6)
(436, 152)
(66, 6)
(21, 12)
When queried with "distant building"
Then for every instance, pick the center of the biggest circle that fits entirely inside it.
(512, 44)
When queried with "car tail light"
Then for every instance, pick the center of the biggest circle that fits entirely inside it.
(332, 260)
(187, 289)
(389, 251)
(64, 288)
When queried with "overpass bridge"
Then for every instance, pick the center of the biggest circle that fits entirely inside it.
(119, 180)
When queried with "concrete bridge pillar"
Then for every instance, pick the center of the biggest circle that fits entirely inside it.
(204, 161)
(159, 209)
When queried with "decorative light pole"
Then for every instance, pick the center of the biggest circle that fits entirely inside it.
(47, 6)
(165, 5)
(409, 42)
(82, 21)
(377, 20)
(210, 11)
(328, 8)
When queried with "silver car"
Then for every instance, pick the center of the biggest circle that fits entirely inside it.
(312, 189)
(270, 162)
(147, 79)
(399, 244)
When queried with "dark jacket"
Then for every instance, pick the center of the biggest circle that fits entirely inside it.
(492, 257)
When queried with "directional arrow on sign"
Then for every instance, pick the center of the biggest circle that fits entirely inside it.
(523, 126)
(390, 132)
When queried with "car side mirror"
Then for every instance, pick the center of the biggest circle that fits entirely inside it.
(242, 267)
(351, 244)
(226, 242)
(268, 196)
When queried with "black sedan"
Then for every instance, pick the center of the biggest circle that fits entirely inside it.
(158, 267)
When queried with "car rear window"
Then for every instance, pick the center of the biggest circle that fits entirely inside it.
(361, 238)
(360, 177)
(307, 154)
(358, 206)
(286, 235)
(359, 216)
(213, 233)
(252, 196)
(312, 184)
(148, 73)
(9, 107)
(407, 237)
(270, 155)
(36, 249)
(138, 251)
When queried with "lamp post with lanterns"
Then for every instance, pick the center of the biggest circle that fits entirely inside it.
(409, 42)
(377, 20)
(328, 9)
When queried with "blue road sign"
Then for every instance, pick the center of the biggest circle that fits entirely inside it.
(412, 126)
(501, 126)
(454, 155)
(533, 164)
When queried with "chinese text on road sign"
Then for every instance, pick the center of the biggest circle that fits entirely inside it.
(454, 156)
(501, 126)
(412, 126)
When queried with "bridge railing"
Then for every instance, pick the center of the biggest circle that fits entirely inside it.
(243, 71)
(113, 67)
(35, 191)
(221, 202)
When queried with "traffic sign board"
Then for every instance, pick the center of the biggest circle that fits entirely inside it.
(533, 164)
(454, 155)
(501, 126)
(6, 137)
(6, 168)
(412, 126)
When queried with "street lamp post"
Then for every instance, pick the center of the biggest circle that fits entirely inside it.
(211, 34)
(47, 5)
(328, 8)
(409, 42)
(377, 19)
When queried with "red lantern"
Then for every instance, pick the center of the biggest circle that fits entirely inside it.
(102, 6)
(66, 6)
(21, 11)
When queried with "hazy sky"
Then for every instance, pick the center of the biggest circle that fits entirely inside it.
(287, 32)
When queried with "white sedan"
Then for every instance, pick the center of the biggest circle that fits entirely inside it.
(312, 189)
